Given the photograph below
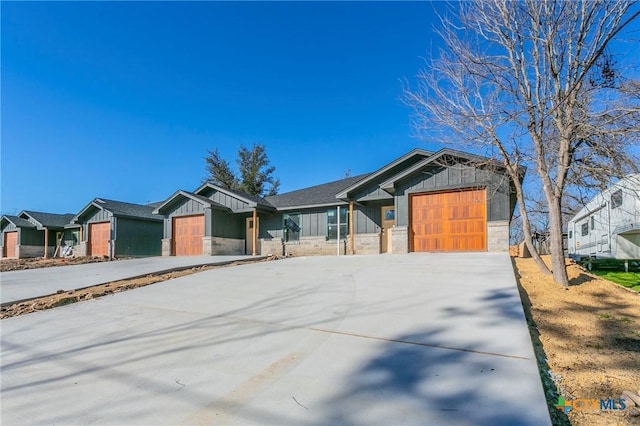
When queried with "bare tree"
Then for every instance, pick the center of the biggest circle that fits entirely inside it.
(534, 83)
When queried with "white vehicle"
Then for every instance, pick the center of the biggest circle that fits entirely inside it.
(609, 225)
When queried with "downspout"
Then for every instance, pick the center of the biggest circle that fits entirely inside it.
(352, 250)
(338, 231)
(255, 231)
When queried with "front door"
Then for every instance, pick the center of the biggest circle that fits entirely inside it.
(249, 237)
(388, 219)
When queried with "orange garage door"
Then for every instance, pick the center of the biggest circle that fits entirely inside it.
(99, 236)
(449, 221)
(10, 241)
(187, 235)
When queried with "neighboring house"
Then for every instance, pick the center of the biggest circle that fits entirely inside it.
(608, 226)
(118, 229)
(211, 220)
(422, 201)
(36, 234)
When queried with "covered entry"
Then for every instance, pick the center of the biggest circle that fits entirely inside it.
(449, 221)
(99, 236)
(187, 235)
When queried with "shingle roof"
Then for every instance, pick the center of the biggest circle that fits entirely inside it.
(181, 193)
(258, 200)
(315, 195)
(51, 220)
(19, 222)
(119, 208)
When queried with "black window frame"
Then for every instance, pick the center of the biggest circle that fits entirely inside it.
(616, 199)
(331, 234)
(585, 229)
(291, 229)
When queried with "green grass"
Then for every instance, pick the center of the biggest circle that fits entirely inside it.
(625, 279)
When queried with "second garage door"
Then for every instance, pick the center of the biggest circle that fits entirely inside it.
(187, 235)
(10, 241)
(449, 221)
(99, 236)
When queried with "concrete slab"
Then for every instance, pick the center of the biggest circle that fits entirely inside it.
(29, 283)
(390, 339)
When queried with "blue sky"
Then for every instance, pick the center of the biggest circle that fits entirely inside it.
(122, 100)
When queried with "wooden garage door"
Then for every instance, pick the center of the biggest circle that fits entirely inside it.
(10, 241)
(99, 236)
(449, 221)
(187, 235)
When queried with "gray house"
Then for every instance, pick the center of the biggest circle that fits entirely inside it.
(422, 201)
(36, 234)
(118, 229)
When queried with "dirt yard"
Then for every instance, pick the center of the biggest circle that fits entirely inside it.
(40, 262)
(589, 335)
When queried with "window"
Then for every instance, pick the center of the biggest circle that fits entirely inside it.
(593, 223)
(332, 223)
(585, 229)
(291, 227)
(616, 199)
(570, 234)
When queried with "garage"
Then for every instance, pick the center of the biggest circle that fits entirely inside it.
(449, 221)
(99, 236)
(10, 242)
(187, 235)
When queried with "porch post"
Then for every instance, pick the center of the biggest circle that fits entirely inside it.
(351, 236)
(46, 243)
(255, 231)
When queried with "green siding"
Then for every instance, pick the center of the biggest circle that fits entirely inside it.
(31, 237)
(138, 238)
(227, 225)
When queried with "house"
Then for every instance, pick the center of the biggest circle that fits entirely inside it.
(423, 201)
(118, 229)
(608, 226)
(36, 234)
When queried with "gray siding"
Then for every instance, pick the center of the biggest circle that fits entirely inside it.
(31, 237)
(453, 177)
(137, 237)
(187, 207)
(99, 216)
(271, 226)
(366, 219)
(228, 225)
(228, 201)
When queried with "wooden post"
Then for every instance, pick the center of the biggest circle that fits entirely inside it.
(46, 243)
(255, 231)
(351, 236)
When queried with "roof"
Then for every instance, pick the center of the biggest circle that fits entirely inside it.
(18, 221)
(315, 195)
(254, 200)
(186, 194)
(50, 220)
(120, 208)
(420, 153)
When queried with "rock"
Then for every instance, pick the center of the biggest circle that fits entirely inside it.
(634, 412)
(630, 396)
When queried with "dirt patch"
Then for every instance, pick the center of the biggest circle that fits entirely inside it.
(588, 336)
(73, 296)
(40, 262)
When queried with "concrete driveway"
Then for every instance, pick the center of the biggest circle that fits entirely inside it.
(390, 339)
(29, 283)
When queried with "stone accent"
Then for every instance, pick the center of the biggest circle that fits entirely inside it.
(498, 236)
(80, 249)
(367, 243)
(23, 251)
(399, 239)
(272, 246)
(314, 246)
(166, 246)
(217, 245)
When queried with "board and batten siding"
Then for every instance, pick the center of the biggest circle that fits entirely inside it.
(138, 237)
(225, 225)
(226, 200)
(451, 178)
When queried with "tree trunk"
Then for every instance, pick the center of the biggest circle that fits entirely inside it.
(526, 226)
(558, 265)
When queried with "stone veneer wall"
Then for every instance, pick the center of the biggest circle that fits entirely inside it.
(498, 236)
(166, 246)
(399, 239)
(80, 249)
(367, 243)
(218, 245)
(314, 246)
(273, 246)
